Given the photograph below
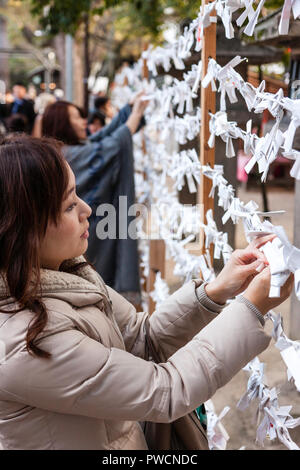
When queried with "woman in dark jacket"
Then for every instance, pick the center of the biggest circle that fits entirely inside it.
(103, 166)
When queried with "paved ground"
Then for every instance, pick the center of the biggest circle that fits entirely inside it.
(241, 426)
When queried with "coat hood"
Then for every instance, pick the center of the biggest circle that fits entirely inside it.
(81, 289)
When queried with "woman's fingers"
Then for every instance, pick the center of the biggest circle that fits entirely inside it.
(253, 268)
(260, 241)
(251, 254)
(288, 286)
(260, 255)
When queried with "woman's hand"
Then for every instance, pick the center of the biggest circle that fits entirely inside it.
(239, 271)
(258, 291)
(138, 109)
(140, 103)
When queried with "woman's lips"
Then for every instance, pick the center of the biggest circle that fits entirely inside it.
(85, 235)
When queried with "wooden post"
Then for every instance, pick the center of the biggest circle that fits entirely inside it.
(208, 104)
(156, 263)
(145, 66)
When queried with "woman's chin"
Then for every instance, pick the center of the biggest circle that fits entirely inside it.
(81, 250)
(85, 247)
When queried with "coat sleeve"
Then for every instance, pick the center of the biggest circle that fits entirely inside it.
(108, 148)
(117, 121)
(172, 325)
(85, 378)
(88, 161)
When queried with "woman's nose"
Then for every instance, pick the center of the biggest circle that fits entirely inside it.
(85, 212)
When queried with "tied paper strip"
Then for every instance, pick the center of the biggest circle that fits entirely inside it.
(275, 423)
(216, 433)
(219, 126)
(253, 18)
(186, 164)
(188, 266)
(161, 290)
(286, 13)
(144, 257)
(278, 268)
(255, 385)
(179, 95)
(289, 350)
(283, 257)
(180, 49)
(219, 239)
(275, 419)
(264, 149)
(180, 129)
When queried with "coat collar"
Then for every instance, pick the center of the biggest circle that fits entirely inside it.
(85, 285)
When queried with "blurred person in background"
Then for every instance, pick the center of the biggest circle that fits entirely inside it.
(5, 107)
(22, 105)
(103, 104)
(41, 102)
(103, 167)
(96, 121)
(3, 115)
(17, 123)
(9, 97)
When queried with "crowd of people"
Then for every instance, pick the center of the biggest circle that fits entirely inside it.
(21, 113)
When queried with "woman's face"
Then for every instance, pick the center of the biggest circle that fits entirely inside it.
(77, 122)
(69, 238)
(95, 126)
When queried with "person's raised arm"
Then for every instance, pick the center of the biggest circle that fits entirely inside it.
(192, 307)
(131, 115)
(138, 109)
(117, 122)
(83, 377)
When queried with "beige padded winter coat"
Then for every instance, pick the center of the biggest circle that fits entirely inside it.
(97, 386)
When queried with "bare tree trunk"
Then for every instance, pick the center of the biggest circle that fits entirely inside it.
(59, 45)
(78, 76)
(87, 64)
(4, 67)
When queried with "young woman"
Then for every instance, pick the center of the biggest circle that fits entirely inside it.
(103, 167)
(74, 372)
(96, 121)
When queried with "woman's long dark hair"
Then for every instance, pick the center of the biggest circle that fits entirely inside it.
(56, 123)
(33, 183)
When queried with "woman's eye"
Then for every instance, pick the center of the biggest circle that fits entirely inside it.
(71, 207)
